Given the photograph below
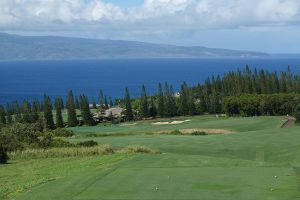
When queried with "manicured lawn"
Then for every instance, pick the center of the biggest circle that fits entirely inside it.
(21, 175)
(260, 162)
(236, 124)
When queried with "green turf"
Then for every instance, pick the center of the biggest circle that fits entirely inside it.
(261, 162)
(21, 175)
(236, 124)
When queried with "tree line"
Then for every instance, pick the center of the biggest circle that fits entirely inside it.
(243, 92)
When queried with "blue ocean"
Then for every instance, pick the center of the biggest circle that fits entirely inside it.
(32, 79)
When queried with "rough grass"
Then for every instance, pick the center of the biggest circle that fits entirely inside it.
(137, 149)
(62, 152)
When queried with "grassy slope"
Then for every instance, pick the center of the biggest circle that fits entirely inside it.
(21, 175)
(238, 166)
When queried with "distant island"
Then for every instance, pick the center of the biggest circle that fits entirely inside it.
(16, 47)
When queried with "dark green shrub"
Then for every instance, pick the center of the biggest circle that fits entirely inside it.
(10, 142)
(48, 141)
(24, 133)
(199, 133)
(89, 143)
(60, 132)
(176, 132)
(61, 143)
(3, 156)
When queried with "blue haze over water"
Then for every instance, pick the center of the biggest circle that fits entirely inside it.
(32, 79)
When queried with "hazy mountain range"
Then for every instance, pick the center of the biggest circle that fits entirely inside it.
(15, 47)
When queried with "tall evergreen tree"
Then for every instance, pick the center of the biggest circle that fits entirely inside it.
(144, 109)
(77, 104)
(17, 112)
(160, 101)
(94, 103)
(152, 109)
(169, 101)
(48, 116)
(2, 115)
(106, 103)
(35, 110)
(58, 114)
(183, 105)
(27, 115)
(101, 99)
(72, 118)
(9, 113)
(128, 108)
(172, 104)
(86, 114)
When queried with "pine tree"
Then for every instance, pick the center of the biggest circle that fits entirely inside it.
(58, 114)
(144, 109)
(2, 115)
(48, 116)
(101, 99)
(27, 115)
(184, 100)
(128, 107)
(105, 103)
(160, 101)
(86, 114)
(8, 113)
(35, 111)
(17, 112)
(173, 108)
(72, 118)
(77, 105)
(152, 109)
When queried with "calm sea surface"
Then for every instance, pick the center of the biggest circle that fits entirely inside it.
(31, 79)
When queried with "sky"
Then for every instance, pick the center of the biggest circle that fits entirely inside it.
(271, 26)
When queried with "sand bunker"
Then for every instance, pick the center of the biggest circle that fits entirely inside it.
(128, 124)
(170, 123)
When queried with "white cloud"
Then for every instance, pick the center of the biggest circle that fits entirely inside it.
(154, 20)
(203, 13)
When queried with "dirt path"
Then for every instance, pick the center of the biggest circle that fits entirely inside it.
(289, 123)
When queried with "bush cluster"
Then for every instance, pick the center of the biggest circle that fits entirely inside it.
(89, 143)
(19, 136)
(196, 133)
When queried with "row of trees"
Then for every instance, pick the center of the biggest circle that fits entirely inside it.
(215, 95)
(245, 81)
(42, 112)
(166, 103)
(261, 104)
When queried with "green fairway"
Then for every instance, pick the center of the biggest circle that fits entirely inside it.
(237, 124)
(261, 161)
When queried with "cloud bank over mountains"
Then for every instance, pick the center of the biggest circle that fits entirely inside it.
(196, 14)
(215, 23)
